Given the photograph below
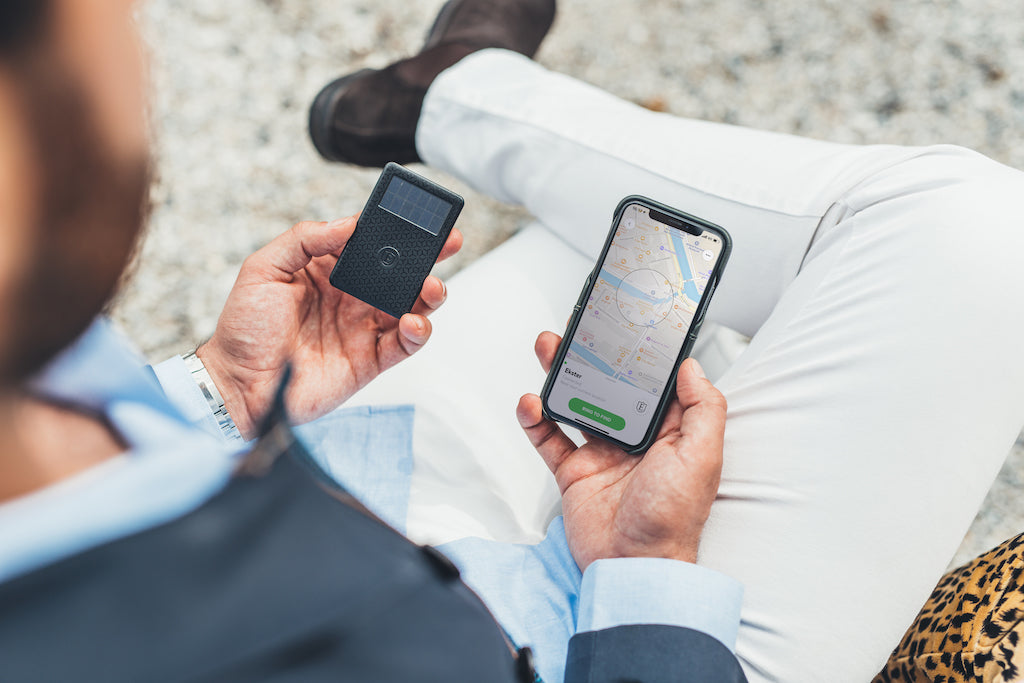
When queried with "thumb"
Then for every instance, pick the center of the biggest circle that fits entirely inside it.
(293, 250)
(704, 410)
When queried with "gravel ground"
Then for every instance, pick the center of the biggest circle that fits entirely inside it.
(232, 81)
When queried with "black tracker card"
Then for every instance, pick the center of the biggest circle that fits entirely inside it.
(397, 240)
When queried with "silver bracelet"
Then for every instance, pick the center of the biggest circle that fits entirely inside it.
(206, 385)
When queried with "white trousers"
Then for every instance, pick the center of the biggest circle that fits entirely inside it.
(883, 386)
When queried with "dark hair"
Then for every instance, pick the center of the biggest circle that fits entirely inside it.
(21, 21)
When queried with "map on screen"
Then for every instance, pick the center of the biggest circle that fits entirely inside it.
(643, 302)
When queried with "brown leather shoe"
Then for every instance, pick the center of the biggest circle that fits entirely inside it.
(369, 117)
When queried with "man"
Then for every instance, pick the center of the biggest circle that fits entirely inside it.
(138, 546)
(867, 418)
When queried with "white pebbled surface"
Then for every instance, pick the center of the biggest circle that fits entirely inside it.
(232, 81)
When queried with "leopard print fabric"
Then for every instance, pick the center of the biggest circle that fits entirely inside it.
(971, 628)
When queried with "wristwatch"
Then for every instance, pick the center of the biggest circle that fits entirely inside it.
(206, 385)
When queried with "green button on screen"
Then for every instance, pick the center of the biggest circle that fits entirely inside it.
(608, 419)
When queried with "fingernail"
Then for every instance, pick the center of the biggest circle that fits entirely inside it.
(444, 290)
(698, 370)
(336, 223)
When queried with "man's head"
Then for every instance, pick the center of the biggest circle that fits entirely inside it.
(73, 170)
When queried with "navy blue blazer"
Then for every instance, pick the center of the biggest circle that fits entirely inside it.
(282, 576)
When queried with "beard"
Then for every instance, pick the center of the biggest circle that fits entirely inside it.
(90, 209)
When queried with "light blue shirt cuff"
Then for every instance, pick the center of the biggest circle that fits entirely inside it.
(187, 397)
(626, 591)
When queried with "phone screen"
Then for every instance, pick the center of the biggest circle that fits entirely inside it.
(633, 325)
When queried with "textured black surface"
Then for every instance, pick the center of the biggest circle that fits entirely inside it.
(368, 268)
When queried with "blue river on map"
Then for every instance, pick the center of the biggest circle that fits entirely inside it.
(690, 287)
(587, 356)
(684, 265)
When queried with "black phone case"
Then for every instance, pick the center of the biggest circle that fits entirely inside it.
(387, 258)
(691, 335)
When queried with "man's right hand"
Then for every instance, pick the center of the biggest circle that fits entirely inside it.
(621, 505)
(283, 309)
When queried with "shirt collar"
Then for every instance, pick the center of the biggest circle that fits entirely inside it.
(101, 370)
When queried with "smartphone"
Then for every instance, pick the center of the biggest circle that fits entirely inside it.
(397, 240)
(635, 322)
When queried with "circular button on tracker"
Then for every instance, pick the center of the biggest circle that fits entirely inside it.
(388, 256)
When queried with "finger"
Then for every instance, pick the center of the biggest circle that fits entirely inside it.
(704, 410)
(433, 294)
(451, 245)
(694, 388)
(403, 340)
(551, 442)
(292, 251)
(546, 347)
(670, 423)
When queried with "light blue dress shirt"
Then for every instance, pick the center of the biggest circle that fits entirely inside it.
(177, 460)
